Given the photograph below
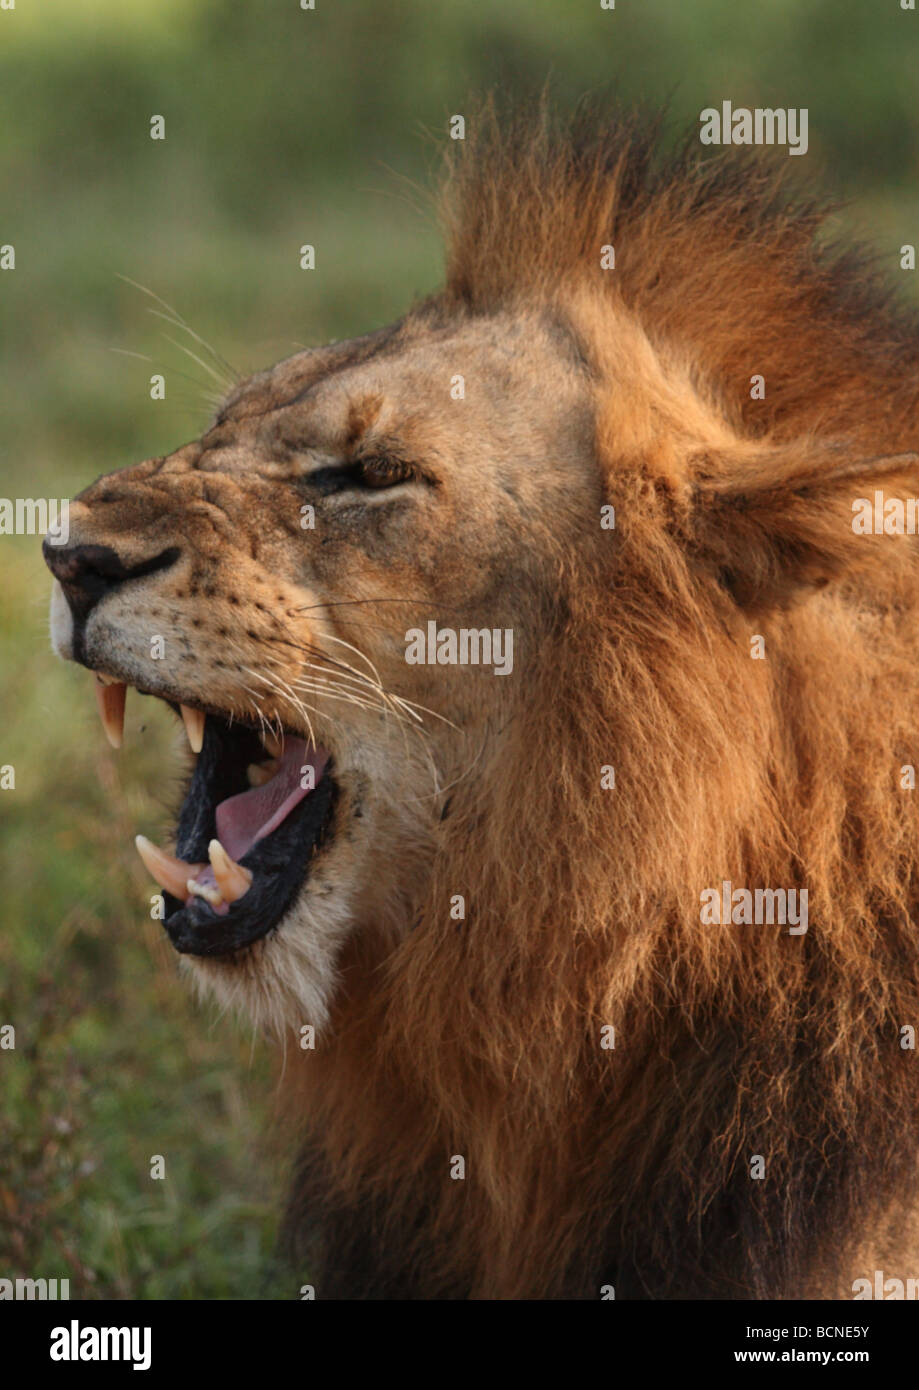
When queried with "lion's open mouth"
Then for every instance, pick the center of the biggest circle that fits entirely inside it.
(254, 816)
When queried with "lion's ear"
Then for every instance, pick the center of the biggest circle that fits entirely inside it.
(776, 531)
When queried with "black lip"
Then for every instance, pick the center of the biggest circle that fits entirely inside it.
(280, 862)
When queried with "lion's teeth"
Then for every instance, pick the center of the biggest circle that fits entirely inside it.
(260, 773)
(203, 890)
(272, 744)
(170, 873)
(193, 720)
(110, 696)
(232, 879)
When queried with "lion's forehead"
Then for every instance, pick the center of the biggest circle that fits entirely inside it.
(489, 407)
(406, 364)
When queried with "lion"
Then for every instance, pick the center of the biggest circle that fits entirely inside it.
(626, 443)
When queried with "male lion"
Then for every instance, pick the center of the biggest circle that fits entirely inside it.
(626, 443)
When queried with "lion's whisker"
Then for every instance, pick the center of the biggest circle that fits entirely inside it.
(233, 376)
(195, 358)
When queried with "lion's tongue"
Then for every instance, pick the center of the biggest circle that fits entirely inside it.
(250, 816)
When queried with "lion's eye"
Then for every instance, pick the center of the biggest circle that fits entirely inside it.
(372, 473)
(382, 472)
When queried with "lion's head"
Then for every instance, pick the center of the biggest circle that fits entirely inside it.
(292, 582)
(462, 618)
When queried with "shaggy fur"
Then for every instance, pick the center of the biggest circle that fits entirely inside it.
(733, 518)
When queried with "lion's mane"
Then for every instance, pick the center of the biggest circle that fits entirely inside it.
(587, 1166)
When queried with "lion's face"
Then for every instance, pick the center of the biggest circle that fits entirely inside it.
(427, 479)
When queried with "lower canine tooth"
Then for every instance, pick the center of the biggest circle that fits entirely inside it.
(170, 873)
(193, 720)
(110, 699)
(232, 879)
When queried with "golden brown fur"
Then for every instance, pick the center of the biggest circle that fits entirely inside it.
(585, 1166)
(482, 1038)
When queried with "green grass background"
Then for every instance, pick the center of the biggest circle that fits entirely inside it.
(283, 126)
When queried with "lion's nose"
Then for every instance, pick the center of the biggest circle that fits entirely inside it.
(88, 572)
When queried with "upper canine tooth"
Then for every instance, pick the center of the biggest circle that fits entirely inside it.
(194, 726)
(272, 743)
(232, 879)
(110, 699)
(170, 873)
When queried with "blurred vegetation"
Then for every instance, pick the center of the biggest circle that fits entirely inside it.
(283, 126)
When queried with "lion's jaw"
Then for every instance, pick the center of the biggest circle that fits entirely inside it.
(427, 479)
